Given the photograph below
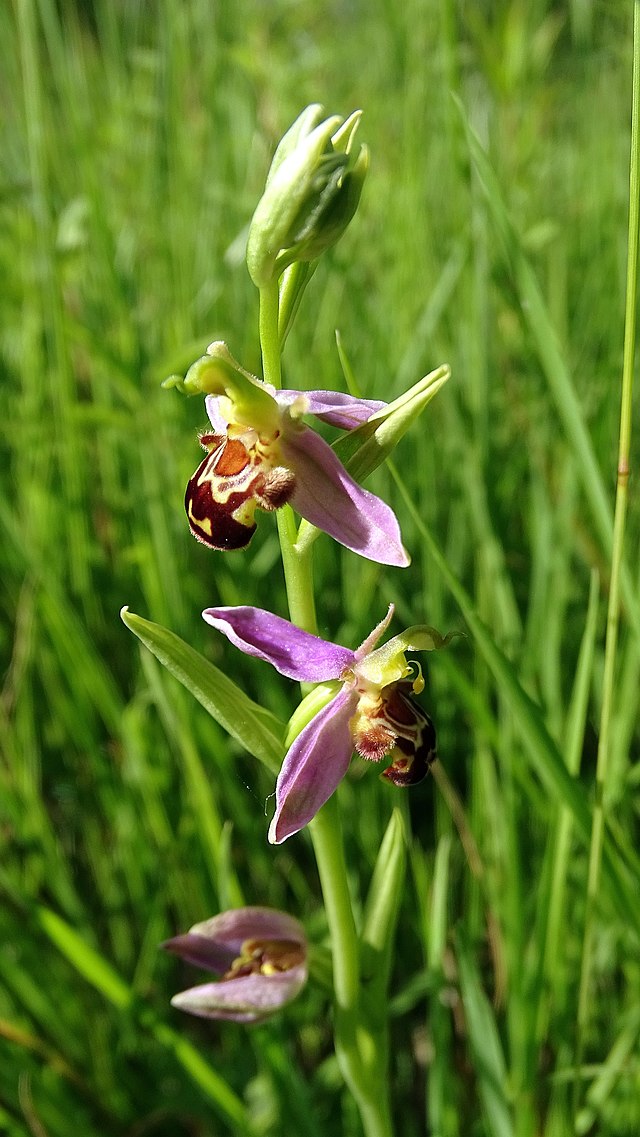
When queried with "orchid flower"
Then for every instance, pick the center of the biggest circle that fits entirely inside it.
(259, 454)
(260, 955)
(372, 710)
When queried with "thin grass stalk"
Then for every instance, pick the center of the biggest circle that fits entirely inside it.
(553, 962)
(613, 610)
(50, 310)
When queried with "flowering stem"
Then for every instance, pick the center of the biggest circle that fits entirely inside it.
(366, 1079)
(269, 338)
(326, 834)
(298, 575)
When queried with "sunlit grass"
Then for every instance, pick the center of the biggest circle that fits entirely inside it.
(491, 236)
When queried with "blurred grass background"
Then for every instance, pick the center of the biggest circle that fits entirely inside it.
(492, 235)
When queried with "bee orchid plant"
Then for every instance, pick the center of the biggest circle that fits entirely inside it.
(262, 456)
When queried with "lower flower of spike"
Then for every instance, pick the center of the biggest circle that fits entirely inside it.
(370, 710)
(259, 955)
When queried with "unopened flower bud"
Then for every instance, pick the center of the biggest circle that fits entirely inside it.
(311, 193)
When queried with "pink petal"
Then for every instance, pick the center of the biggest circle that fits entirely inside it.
(215, 943)
(334, 407)
(291, 651)
(236, 925)
(248, 999)
(202, 951)
(313, 767)
(327, 496)
(217, 421)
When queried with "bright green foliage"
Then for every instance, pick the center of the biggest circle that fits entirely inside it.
(135, 143)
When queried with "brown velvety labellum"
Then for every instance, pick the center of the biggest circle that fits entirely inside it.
(219, 494)
(415, 748)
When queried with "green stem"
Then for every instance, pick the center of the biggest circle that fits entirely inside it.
(298, 573)
(361, 1054)
(269, 337)
(613, 610)
(297, 565)
(326, 834)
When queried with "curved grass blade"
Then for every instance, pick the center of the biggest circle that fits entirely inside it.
(255, 728)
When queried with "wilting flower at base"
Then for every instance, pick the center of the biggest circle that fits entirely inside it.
(372, 712)
(260, 455)
(260, 955)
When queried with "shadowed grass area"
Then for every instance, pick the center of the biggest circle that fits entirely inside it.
(492, 235)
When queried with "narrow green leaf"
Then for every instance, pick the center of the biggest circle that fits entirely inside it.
(86, 960)
(551, 914)
(255, 728)
(435, 937)
(485, 1043)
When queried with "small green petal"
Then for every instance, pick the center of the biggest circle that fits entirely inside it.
(344, 136)
(387, 664)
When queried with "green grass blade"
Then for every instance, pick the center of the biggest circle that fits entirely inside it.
(486, 1046)
(543, 752)
(554, 366)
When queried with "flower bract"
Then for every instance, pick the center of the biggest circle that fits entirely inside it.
(370, 707)
(260, 956)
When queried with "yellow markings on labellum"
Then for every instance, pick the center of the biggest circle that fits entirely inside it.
(236, 475)
(266, 957)
(394, 726)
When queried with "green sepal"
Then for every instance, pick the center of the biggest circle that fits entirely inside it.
(364, 449)
(254, 727)
(322, 225)
(381, 915)
(343, 137)
(309, 118)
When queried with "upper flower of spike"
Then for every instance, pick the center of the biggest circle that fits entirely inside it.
(373, 712)
(260, 955)
(311, 193)
(259, 454)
